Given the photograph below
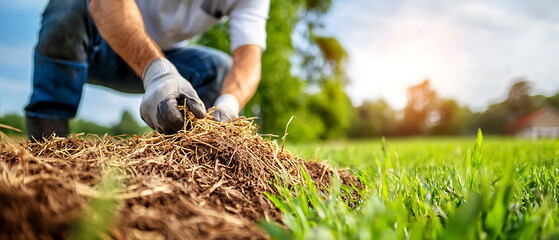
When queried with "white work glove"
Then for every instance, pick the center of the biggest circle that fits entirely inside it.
(165, 90)
(227, 108)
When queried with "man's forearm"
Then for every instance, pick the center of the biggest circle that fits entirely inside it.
(120, 23)
(244, 77)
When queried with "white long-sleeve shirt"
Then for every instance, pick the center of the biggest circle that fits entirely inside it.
(171, 22)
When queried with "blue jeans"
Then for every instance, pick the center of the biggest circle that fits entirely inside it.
(71, 52)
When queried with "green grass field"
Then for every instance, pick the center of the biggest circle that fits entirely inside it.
(434, 188)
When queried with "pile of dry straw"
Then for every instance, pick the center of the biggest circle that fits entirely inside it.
(204, 183)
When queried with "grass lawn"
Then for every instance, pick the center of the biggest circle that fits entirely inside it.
(425, 188)
(434, 188)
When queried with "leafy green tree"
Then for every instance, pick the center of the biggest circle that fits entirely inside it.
(374, 118)
(217, 37)
(492, 120)
(518, 100)
(282, 94)
(451, 118)
(334, 109)
(305, 126)
(421, 103)
(428, 114)
(554, 100)
(332, 103)
(323, 67)
(279, 93)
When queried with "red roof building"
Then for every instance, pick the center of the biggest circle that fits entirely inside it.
(542, 123)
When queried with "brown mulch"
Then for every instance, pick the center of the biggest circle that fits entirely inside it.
(204, 183)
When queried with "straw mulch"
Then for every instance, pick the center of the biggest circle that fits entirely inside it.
(204, 183)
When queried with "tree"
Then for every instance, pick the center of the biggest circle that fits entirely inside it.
(331, 103)
(492, 120)
(374, 118)
(554, 100)
(518, 104)
(334, 109)
(283, 94)
(518, 99)
(421, 102)
(450, 118)
(323, 68)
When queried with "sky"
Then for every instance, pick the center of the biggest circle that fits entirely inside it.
(470, 50)
(19, 27)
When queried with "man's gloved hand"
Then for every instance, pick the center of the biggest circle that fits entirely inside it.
(227, 108)
(165, 89)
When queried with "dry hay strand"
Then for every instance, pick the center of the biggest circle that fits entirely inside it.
(206, 182)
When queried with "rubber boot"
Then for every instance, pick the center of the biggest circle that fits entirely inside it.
(40, 129)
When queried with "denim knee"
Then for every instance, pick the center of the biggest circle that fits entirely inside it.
(64, 30)
(57, 88)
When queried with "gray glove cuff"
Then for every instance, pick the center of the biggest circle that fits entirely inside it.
(156, 68)
(227, 102)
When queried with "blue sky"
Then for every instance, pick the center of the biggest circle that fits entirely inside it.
(471, 51)
(19, 25)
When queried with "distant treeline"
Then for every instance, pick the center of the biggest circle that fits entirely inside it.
(428, 114)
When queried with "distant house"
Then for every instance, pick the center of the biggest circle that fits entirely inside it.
(543, 123)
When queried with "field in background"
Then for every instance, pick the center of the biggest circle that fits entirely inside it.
(446, 188)
(424, 150)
